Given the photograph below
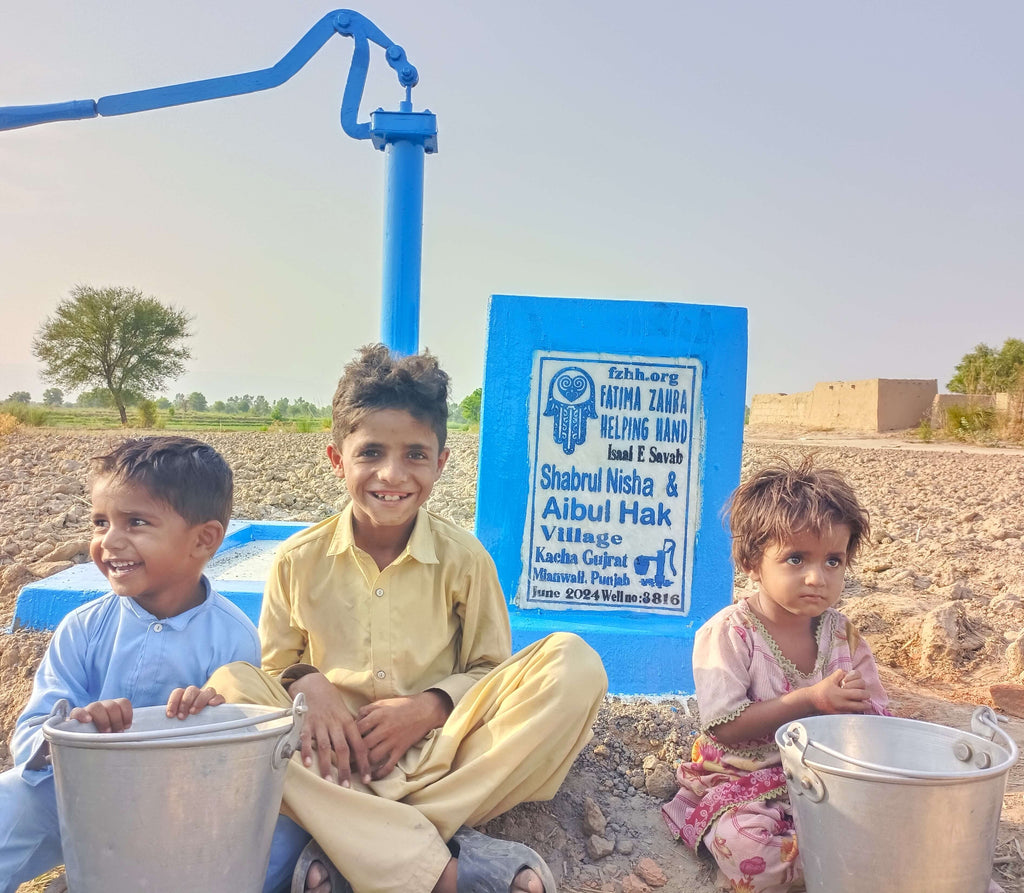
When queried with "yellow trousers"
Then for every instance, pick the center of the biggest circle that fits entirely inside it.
(512, 738)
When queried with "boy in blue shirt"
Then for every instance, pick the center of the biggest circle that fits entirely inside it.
(160, 507)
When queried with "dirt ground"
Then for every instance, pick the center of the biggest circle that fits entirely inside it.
(938, 592)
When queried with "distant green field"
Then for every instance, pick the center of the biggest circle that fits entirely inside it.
(78, 417)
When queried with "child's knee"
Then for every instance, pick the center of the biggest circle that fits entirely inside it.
(582, 671)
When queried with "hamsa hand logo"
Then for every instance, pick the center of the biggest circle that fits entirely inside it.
(570, 403)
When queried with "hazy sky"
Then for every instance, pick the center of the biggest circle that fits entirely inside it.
(849, 172)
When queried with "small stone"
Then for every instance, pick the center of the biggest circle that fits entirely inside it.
(600, 751)
(1015, 656)
(650, 872)
(632, 884)
(58, 885)
(69, 551)
(1008, 697)
(594, 821)
(48, 568)
(661, 784)
(598, 847)
(624, 846)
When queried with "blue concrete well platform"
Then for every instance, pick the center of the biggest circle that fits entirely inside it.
(237, 571)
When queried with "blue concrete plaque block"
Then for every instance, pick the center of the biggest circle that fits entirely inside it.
(237, 572)
(611, 438)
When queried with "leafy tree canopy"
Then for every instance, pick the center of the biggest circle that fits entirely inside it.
(470, 406)
(19, 397)
(53, 397)
(197, 402)
(986, 370)
(117, 338)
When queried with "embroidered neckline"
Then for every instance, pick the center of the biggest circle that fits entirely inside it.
(790, 669)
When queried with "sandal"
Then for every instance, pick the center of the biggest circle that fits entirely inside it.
(489, 865)
(310, 854)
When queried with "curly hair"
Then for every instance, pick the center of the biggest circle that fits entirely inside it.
(781, 500)
(378, 379)
(188, 475)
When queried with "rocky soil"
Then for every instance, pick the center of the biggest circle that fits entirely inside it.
(938, 592)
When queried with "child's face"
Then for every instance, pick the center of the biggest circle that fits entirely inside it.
(389, 464)
(803, 576)
(145, 549)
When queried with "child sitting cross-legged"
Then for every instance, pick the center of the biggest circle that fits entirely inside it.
(778, 655)
(159, 510)
(390, 620)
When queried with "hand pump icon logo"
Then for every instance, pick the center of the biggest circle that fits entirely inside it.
(570, 403)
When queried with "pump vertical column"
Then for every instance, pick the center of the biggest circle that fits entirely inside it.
(404, 137)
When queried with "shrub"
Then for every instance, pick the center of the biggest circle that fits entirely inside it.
(146, 414)
(27, 415)
(964, 422)
(7, 423)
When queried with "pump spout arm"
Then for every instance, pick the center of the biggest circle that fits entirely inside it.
(342, 21)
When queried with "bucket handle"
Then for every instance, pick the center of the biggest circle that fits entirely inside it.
(984, 722)
(289, 741)
(810, 784)
(297, 711)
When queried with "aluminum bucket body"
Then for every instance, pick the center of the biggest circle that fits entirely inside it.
(888, 805)
(172, 806)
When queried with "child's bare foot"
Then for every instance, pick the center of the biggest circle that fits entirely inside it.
(317, 879)
(528, 881)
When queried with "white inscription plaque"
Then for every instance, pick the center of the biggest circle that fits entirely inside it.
(615, 443)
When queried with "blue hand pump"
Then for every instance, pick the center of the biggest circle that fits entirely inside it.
(404, 136)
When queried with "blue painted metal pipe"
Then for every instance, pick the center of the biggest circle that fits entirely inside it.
(403, 238)
(405, 137)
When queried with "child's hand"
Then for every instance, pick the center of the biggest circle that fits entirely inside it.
(392, 725)
(842, 692)
(331, 730)
(114, 715)
(186, 701)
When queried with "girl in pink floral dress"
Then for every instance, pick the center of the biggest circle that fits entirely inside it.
(782, 654)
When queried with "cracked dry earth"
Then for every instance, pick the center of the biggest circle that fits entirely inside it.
(938, 592)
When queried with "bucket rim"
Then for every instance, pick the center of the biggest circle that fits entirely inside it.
(891, 774)
(64, 732)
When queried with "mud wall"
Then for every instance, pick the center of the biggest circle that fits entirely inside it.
(875, 404)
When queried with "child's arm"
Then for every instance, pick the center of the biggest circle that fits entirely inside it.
(486, 639)
(62, 673)
(841, 692)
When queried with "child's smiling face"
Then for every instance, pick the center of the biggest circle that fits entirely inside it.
(390, 464)
(145, 549)
(802, 576)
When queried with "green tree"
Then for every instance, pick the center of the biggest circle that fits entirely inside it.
(19, 397)
(470, 406)
(260, 406)
(53, 397)
(987, 371)
(219, 406)
(197, 402)
(96, 398)
(117, 338)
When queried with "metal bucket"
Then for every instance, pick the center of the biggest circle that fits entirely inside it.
(172, 806)
(884, 804)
